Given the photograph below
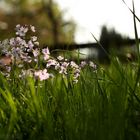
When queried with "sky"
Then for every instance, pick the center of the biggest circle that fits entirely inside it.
(91, 15)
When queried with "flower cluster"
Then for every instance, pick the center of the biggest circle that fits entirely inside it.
(26, 51)
(19, 48)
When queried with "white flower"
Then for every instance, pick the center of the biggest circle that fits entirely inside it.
(91, 64)
(32, 28)
(34, 38)
(60, 58)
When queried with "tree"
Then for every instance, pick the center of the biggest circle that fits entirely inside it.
(111, 42)
(44, 14)
(111, 39)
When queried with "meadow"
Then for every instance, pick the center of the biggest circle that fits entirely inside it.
(52, 98)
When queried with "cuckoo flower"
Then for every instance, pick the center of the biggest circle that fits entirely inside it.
(46, 53)
(42, 74)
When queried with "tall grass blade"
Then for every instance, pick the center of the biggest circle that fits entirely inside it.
(131, 11)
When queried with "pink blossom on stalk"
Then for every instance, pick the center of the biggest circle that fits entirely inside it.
(65, 64)
(51, 62)
(28, 59)
(46, 53)
(57, 66)
(73, 64)
(8, 68)
(21, 30)
(42, 74)
(12, 42)
(36, 52)
(76, 75)
(18, 26)
(83, 64)
(30, 45)
(63, 70)
(91, 64)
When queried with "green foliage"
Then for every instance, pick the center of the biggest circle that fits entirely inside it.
(100, 106)
(103, 105)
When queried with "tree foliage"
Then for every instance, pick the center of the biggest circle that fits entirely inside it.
(45, 15)
(111, 39)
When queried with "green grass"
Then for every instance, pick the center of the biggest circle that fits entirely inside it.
(103, 105)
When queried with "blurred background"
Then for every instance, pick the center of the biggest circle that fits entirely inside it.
(45, 15)
(72, 22)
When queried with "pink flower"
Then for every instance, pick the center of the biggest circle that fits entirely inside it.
(73, 64)
(42, 74)
(36, 52)
(63, 70)
(21, 30)
(12, 42)
(46, 53)
(83, 64)
(51, 62)
(46, 56)
(30, 45)
(65, 64)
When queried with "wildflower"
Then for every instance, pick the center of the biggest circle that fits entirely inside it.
(83, 64)
(75, 81)
(60, 58)
(36, 52)
(51, 62)
(91, 64)
(8, 68)
(21, 30)
(34, 38)
(12, 42)
(57, 66)
(28, 59)
(30, 45)
(76, 75)
(46, 53)
(73, 64)
(63, 70)
(65, 64)
(42, 74)
(5, 46)
(20, 42)
(32, 28)
(25, 73)
(15, 52)
(36, 43)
